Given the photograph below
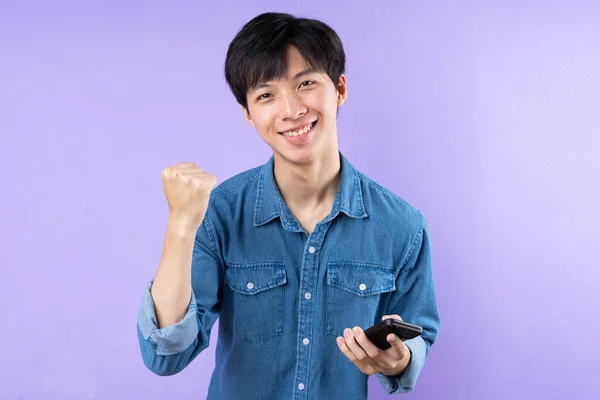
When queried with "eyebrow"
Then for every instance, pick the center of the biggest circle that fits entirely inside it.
(298, 75)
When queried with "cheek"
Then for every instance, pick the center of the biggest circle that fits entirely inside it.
(325, 102)
(317, 101)
(259, 119)
(265, 126)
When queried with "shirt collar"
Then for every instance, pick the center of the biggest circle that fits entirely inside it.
(269, 203)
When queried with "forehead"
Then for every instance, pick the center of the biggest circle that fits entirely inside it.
(295, 60)
(295, 67)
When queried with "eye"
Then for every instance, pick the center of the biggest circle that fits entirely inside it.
(263, 96)
(306, 82)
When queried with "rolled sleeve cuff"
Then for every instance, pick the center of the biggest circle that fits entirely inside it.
(406, 382)
(172, 339)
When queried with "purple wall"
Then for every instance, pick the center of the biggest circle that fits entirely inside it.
(487, 118)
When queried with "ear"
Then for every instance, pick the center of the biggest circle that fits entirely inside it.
(342, 90)
(247, 116)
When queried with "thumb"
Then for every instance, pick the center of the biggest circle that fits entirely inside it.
(398, 345)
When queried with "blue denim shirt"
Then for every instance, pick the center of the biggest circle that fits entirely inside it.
(282, 296)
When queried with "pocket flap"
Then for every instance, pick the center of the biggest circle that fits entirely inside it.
(255, 278)
(361, 279)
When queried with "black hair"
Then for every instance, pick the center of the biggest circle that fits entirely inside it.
(258, 52)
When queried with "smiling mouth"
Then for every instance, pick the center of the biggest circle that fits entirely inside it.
(302, 131)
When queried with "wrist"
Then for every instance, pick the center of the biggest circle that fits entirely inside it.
(181, 225)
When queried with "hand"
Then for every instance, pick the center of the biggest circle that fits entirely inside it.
(187, 189)
(369, 358)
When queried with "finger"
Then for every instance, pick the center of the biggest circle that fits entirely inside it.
(353, 345)
(368, 346)
(191, 168)
(346, 350)
(399, 349)
(393, 316)
(180, 169)
(189, 175)
(184, 165)
(192, 171)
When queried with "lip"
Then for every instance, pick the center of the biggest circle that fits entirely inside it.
(302, 138)
(299, 126)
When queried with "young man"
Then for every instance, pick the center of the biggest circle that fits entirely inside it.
(293, 254)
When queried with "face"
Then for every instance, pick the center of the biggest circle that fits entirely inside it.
(296, 116)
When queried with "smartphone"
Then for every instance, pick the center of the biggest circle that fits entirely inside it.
(378, 333)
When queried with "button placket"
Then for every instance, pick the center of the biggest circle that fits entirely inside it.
(308, 278)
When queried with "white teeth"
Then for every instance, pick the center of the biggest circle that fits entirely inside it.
(298, 132)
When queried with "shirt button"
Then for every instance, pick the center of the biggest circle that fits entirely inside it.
(301, 386)
(307, 296)
(305, 341)
(250, 285)
(362, 286)
(311, 250)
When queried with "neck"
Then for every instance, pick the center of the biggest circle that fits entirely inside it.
(309, 185)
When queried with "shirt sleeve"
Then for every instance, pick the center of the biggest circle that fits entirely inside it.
(414, 300)
(168, 350)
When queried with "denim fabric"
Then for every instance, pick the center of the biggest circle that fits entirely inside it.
(282, 296)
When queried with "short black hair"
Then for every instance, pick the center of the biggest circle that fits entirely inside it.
(258, 52)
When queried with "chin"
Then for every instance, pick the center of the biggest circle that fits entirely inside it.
(298, 157)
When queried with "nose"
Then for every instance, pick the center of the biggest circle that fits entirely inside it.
(292, 107)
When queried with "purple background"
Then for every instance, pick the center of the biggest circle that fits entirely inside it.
(485, 117)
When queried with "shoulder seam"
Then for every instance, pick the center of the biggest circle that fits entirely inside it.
(377, 186)
(416, 240)
(237, 187)
(207, 223)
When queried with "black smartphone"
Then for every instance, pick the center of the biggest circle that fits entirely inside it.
(378, 333)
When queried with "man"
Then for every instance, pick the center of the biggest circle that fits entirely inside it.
(293, 254)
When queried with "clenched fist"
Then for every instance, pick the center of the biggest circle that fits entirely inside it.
(187, 189)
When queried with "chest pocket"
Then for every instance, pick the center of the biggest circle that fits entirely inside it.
(255, 305)
(353, 295)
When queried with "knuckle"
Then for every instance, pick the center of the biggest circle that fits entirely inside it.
(198, 185)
